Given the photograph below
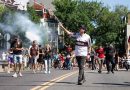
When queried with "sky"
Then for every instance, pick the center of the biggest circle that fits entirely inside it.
(112, 3)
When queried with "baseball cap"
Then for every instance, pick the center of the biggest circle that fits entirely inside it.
(83, 27)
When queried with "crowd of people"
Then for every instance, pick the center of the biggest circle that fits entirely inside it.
(107, 57)
(43, 58)
(37, 58)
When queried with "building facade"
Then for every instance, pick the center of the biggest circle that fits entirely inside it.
(16, 4)
(55, 36)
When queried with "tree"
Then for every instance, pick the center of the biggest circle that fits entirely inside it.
(33, 15)
(2, 9)
(68, 11)
(103, 25)
(121, 12)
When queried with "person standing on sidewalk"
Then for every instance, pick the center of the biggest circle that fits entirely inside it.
(82, 48)
(16, 47)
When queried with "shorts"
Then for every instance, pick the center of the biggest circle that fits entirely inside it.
(18, 59)
(33, 59)
(101, 60)
(10, 59)
(40, 59)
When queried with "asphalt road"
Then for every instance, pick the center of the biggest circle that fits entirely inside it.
(66, 80)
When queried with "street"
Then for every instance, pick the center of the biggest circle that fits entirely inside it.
(66, 80)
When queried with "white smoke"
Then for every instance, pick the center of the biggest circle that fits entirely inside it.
(32, 30)
(22, 22)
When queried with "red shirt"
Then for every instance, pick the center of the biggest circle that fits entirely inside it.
(69, 49)
(100, 52)
(62, 58)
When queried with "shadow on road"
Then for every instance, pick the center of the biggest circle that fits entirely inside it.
(67, 82)
(127, 82)
(56, 82)
(4, 76)
(115, 84)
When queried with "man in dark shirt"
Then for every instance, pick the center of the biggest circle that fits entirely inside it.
(16, 47)
(109, 53)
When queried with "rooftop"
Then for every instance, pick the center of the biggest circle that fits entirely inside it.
(47, 3)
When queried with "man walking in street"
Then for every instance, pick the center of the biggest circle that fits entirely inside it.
(16, 47)
(33, 54)
(101, 57)
(109, 53)
(82, 48)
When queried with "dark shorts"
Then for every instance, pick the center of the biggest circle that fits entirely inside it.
(10, 59)
(33, 60)
(40, 60)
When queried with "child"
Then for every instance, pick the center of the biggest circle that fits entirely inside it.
(10, 60)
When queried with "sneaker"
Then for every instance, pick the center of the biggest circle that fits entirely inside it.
(108, 72)
(8, 71)
(34, 71)
(45, 72)
(99, 71)
(79, 83)
(112, 72)
(49, 72)
(15, 75)
(20, 74)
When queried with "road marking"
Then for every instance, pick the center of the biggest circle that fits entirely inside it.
(52, 82)
(60, 79)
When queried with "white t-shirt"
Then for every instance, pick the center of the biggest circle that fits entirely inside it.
(3, 56)
(82, 44)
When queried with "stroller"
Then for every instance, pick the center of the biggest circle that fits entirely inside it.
(126, 64)
(56, 62)
(67, 64)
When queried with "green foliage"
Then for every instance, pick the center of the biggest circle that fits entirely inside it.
(33, 15)
(1, 8)
(103, 25)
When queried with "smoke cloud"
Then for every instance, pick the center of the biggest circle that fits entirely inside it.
(21, 22)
